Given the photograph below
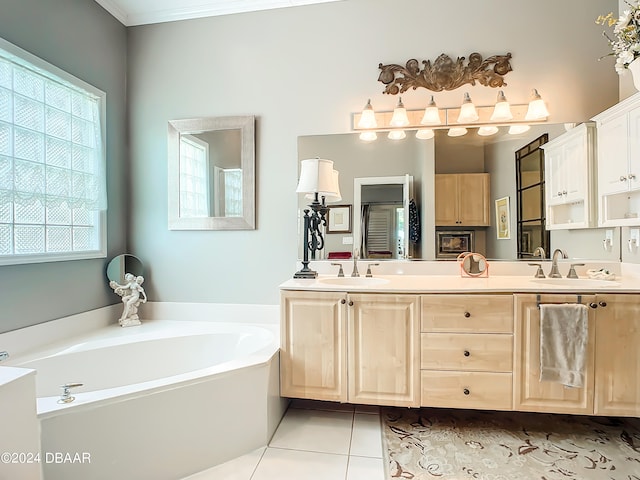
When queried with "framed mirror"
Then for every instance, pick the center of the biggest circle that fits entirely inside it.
(212, 173)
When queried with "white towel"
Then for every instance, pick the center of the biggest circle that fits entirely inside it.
(563, 343)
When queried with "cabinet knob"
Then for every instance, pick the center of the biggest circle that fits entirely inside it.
(623, 178)
(593, 305)
(466, 391)
(559, 194)
(602, 303)
(351, 303)
(343, 301)
(564, 192)
(631, 176)
(467, 314)
(467, 353)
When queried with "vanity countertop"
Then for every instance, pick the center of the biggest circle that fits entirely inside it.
(459, 284)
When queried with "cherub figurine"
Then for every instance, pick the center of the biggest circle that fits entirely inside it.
(130, 293)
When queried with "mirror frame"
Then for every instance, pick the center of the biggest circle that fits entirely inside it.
(246, 124)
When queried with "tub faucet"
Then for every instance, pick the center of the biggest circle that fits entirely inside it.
(4, 355)
(66, 392)
(539, 251)
(554, 273)
(355, 272)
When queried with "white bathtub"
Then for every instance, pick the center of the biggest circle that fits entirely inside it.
(162, 400)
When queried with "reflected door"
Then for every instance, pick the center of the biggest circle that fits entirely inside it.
(530, 187)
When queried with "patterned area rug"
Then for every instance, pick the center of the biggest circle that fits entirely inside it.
(426, 443)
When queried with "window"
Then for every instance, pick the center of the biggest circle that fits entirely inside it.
(52, 162)
(194, 184)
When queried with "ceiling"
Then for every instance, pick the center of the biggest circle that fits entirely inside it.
(141, 12)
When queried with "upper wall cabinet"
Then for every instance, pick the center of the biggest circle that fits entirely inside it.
(569, 177)
(619, 163)
(462, 199)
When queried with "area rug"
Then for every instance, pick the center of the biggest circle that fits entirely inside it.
(424, 444)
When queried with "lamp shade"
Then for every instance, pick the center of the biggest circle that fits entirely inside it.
(468, 111)
(518, 129)
(397, 135)
(487, 131)
(457, 132)
(431, 114)
(368, 117)
(425, 133)
(399, 117)
(369, 136)
(537, 109)
(502, 109)
(316, 176)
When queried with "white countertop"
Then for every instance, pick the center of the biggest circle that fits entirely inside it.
(459, 284)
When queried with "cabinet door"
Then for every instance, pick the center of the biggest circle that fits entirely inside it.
(618, 355)
(576, 155)
(446, 199)
(473, 199)
(384, 349)
(313, 346)
(530, 394)
(612, 156)
(633, 172)
(555, 173)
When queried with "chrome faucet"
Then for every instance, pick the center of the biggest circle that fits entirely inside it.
(4, 355)
(355, 272)
(554, 273)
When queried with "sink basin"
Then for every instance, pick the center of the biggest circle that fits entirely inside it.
(576, 282)
(355, 281)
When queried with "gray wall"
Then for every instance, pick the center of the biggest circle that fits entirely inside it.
(304, 71)
(81, 38)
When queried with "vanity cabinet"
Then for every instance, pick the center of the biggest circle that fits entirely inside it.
(531, 394)
(462, 199)
(357, 348)
(569, 178)
(617, 367)
(618, 138)
(467, 351)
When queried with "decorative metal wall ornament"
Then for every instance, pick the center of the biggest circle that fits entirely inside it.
(445, 74)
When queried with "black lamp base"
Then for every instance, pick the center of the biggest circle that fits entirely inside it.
(305, 273)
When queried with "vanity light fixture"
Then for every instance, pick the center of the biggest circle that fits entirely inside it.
(320, 182)
(468, 113)
(519, 117)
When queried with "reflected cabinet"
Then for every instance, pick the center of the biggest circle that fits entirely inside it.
(462, 199)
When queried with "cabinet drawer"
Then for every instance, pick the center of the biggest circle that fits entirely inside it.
(481, 390)
(467, 313)
(492, 352)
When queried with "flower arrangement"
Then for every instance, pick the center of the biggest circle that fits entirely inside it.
(626, 31)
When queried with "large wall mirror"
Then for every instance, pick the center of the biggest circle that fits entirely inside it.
(422, 160)
(212, 173)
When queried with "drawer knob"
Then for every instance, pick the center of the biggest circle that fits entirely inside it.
(351, 303)
(467, 353)
(467, 314)
(466, 391)
(602, 303)
(343, 301)
(593, 305)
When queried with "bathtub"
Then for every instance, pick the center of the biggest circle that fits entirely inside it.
(192, 387)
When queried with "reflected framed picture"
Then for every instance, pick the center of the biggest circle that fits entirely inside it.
(452, 244)
(339, 219)
(503, 220)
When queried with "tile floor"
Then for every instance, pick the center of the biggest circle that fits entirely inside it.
(314, 441)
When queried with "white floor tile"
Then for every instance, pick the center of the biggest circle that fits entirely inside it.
(281, 464)
(366, 440)
(314, 431)
(365, 468)
(240, 468)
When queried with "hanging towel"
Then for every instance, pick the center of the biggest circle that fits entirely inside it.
(414, 222)
(563, 343)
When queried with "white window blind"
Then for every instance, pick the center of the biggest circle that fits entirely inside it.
(52, 162)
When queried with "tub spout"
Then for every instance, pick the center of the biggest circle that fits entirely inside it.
(4, 355)
(66, 392)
